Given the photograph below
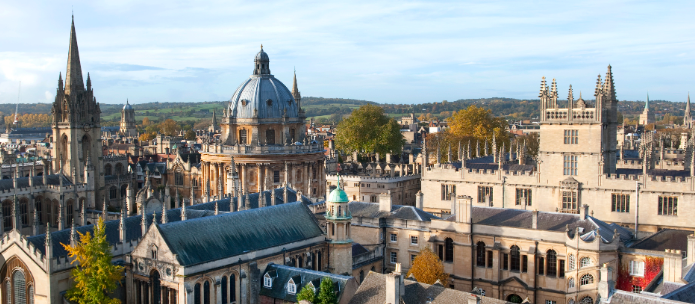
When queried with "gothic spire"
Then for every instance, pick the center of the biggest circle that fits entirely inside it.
(687, 106)
(609, 86)
(73, 76)
(295, 90)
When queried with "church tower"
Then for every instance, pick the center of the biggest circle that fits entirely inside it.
(338, 219)
(647, 116)
(76, 126)
(128, 121)
(687, 118)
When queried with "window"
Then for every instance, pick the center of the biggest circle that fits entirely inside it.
(571, 137)
(223, 284)
(291, 287)
(636, 288)
(113, 192)
(242, 137)
(449, 244)
(505, 261)
(413, 240)
(447, 191)
(523, 197)
(412, 259)
(232, 288)
(373, 199)
(178, 177)
(484, 194)
(570, 283)
(394, 237)
(267, 281)
(668, 205)
(394, 257)
(569, 200)
(550, 302)
(584, 262)
(270, 137)
(24, 206)
(489, 259)
(541, 266)
(19, 283)
(480, 254)
(516, 258)
(586, 280)
(620, 202)
(552, 263)
(570, 165)
(276, 176)
(586, 300)
(570, 262)
(561, 268)
(637, 268)
(7, 214)
(37, 209)
(524, 263)
(440, 252)
(206, 292)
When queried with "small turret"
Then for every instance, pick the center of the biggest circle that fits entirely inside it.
(183, 211)
(164, 214)
(143, 223)
(36, 223)
(73, 234)
(121, 226)
(16, 219)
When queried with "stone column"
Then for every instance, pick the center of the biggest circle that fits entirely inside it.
(307, 180)
(259, 174)
(244, 176)
(293, 176)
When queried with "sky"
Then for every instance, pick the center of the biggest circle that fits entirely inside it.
(383, 51)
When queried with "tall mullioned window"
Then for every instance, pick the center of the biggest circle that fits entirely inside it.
(485, 194)
(448, 191)
(242, 136)
(668, 205)
(571, 137)
(569, 200)
(620, 202)
(570, 165)
(523, 197)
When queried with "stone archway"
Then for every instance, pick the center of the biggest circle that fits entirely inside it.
(17, 279)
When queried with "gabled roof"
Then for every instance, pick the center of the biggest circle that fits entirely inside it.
(362, 209)
(301, 277)
(231, 234)
(665, 239)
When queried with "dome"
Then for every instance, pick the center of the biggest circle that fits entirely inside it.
(127, 106)
(338, 195)
(262, 95)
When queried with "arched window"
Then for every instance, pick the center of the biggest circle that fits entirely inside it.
(156, 287)
(516, 258)
(242, 137)
(232, 288)
(224, 290)
(300, 261)
(449, 244)
(20, 296)
(23, 211)
(107, 169)
(119, 169)
(551, 257)
(570, 261)
(586, 300)
(270, 137)
(292, 135)
(584, 262)
(196, 294)
(480, 254)
(69, 211)
(30, 294)
(113, 192)
(38, 207)
(570, 283)
(586, 280)
(178, 177)
(7, 214)
(206, 292)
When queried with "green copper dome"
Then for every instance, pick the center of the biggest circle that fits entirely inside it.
(338, 195)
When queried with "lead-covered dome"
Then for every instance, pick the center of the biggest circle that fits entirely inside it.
(262, 95)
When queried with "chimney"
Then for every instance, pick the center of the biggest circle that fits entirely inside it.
(473, 299)
(534, 219)
(606, 285)
(464, 209)
(395, 287)
(673, 266)
(583, 211)
(420, 202)
(385, 202)
(690, 251)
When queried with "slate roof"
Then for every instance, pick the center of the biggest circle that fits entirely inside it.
(358, 249)
(371, 210)
(23, 182)
(133, 223)
(665, 239)
(282, 274)
(685, 294)
(231, 234)
(624, 297)
(373, 291)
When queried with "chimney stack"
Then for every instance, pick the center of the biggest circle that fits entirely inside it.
(464, 209)
(385, 202)
(420, 202)
(395, 286)
(691, 249)
(534, 221)
(673, 266)
(583, 211)
(606, 285)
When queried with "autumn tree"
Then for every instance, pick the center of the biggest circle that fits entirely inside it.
(169, 127)
(307, 294)
(190, 135)
(95, 276)
(326, 292)
(532, 141)
(146, 122)
(428, 268)
(147, 136)
(369, 130)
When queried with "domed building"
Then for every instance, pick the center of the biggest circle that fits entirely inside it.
(128, 121)
(263, 130)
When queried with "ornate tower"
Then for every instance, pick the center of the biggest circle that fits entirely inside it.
(687, 118)
(128, 121)
(76, 125)
(295, 92)
(647, 117)
(338, 219)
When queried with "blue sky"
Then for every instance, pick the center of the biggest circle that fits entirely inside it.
(384, 51)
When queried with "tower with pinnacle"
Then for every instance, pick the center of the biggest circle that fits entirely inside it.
(77, 125)
(128, 121)
(338, 219)
(687, 118)
(647, 116)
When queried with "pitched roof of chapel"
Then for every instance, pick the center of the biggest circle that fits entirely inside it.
(281, 275)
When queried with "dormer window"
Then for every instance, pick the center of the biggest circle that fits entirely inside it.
(267, 281)
(291, 287)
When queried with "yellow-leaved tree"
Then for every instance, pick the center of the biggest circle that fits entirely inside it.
(94, 274)
(428, 268)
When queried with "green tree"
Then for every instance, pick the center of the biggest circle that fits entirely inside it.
(369, 130)
(190, 135)
(307, 293)
(428, 268)
(326, 292)
(94, 274)
(532, 141)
